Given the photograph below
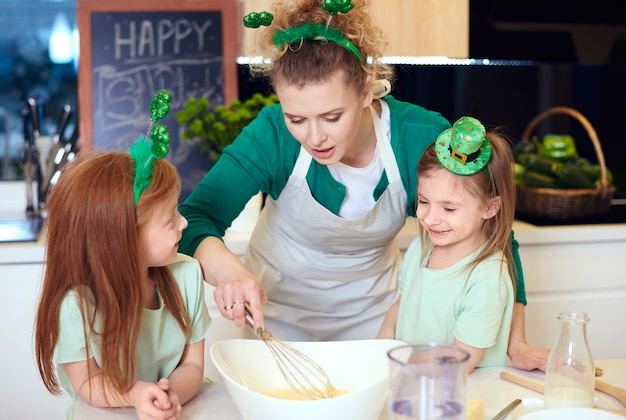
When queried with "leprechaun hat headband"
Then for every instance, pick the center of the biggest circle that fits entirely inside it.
(464, 149)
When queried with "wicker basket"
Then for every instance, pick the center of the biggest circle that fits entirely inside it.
(566, 204)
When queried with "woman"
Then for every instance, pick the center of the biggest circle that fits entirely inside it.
(338, 165)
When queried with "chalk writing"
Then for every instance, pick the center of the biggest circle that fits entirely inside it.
(148, 41)
(134, 55)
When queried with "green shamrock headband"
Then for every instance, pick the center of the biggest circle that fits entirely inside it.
(154, 146)
(315, 31)
(464, 149)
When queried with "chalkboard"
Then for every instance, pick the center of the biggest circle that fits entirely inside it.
(130, 50)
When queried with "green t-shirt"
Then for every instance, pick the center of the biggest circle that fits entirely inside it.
(161, 341)
(441, 305)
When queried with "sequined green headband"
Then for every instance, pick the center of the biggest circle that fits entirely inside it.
(155, 145)
(314, 31)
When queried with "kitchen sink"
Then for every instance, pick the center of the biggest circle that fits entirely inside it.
(20, 230)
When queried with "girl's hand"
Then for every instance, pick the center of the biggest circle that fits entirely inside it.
(164, 384)
(151, 402)
(526, 357)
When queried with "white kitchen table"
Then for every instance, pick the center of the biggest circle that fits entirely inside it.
(486, 385)
(214, 402)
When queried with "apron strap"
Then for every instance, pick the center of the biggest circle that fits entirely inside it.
(384, 145)
(303, 163)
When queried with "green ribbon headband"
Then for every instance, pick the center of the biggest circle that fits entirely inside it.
(314, 31)
(156, 145)
(318, 32)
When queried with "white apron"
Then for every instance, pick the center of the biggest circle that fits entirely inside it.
(328, 278)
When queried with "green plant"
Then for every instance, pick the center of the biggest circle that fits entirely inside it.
(216, 128)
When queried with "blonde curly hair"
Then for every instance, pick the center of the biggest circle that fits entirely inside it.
(313, 61)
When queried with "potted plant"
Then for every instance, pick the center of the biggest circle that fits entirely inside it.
(215, 128)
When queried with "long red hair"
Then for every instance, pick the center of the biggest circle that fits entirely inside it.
(93, 249)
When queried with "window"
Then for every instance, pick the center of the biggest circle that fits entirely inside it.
(38, 59)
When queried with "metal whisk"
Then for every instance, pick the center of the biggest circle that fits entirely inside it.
(303, 375)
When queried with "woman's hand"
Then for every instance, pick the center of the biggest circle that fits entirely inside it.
(239, 289)
(235, 285)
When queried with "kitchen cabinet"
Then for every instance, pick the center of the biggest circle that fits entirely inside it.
(575, 267)
(23, 394)
(424, 28)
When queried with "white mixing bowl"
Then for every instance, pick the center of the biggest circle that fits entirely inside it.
(358, 368)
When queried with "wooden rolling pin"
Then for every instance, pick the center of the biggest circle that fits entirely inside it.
(614, 391)
(618, 393)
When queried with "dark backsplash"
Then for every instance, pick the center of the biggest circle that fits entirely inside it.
(510, 96)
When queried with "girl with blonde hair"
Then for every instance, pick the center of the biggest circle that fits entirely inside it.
(456, 282)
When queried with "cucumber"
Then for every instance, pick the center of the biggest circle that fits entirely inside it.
(596, 180)
(524, 147)
(539, 180)
(542, 164)
(574, 176)
(522, 158)
(518, 172)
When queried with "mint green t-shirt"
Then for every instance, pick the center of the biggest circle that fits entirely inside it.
(161, 341)
(441, 305)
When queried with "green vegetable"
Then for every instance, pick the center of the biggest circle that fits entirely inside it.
(519, 170)
(593, 171)
(522, 158)
(555, 164)
(541, 164)
(573, 175)
(524, 146)
(217, 127)
(558, 146)
(539, 180)
(609, 176)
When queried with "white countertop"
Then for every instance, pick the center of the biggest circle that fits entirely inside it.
(526, 234)
(484, 384)
(22, 252)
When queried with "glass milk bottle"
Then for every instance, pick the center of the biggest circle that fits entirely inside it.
(570, 373)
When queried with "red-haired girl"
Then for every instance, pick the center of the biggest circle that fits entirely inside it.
(122, 315)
